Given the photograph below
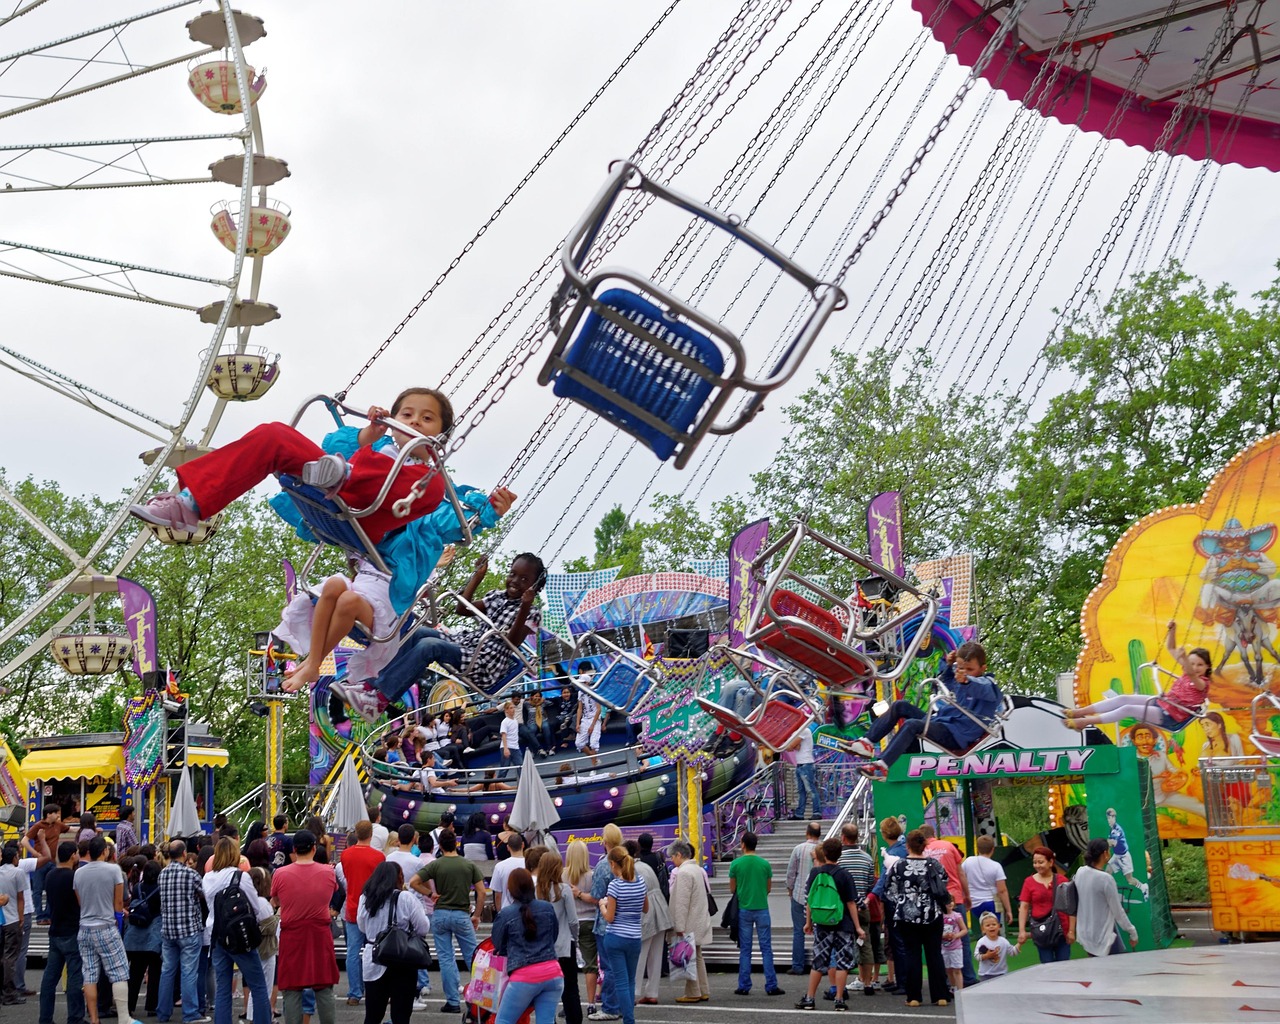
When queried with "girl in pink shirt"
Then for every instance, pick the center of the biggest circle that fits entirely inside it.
(1183, 701)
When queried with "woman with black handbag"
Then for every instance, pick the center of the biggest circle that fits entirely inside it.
(1050, 930)
(914, 888)
(396, 925)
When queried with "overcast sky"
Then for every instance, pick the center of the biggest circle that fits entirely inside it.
(405, 125)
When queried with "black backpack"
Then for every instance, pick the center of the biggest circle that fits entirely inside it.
(144, 908)
(235, 919)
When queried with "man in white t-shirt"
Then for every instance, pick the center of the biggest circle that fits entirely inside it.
(986, 882)
(502, 870)
(806, 776)
(380, 833)
(509, 730)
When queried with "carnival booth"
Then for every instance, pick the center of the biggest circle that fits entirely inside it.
(88, 773)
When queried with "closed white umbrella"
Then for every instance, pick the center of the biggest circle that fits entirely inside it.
(184, 819)
(533, 809)
(349, 805)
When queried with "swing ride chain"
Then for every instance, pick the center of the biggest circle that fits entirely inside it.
(1013, 143)
(453, 264)
(931, 140)
(753, 151)
(1103, 252)
(803, 86)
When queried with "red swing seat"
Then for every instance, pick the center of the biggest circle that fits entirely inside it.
(804, 644)
(775, 724)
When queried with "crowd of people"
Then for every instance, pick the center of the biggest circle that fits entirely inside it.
(188, 918)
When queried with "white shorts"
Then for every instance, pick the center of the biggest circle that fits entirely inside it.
(295, 624)
(1121, 864)
(588, 737)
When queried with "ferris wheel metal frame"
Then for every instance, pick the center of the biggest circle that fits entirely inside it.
(238, 309)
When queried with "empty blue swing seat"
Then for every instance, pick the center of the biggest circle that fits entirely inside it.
(621, 686)
(627, 365)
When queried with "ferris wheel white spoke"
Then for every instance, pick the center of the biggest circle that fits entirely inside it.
(6, 245)
(36, 279)
(91, 185)
(77, 390)
(36, 523)
(141, 140)
(72, 93)
(108, 27)
(20, 10)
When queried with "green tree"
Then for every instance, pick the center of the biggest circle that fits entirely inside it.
(1168, 380)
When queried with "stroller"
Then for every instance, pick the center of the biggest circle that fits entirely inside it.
(484, 990)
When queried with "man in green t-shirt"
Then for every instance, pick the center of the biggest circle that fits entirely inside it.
(751, 879)
(451, 879)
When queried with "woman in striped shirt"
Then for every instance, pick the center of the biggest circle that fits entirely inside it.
(623, 908)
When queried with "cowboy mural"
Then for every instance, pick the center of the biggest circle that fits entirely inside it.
(1240, 594)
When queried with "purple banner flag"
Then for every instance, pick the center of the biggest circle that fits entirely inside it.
(290, 580)
(140, 616)
(884, 531)
(743, 550)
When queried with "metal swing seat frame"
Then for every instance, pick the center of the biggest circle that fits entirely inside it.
(1194, 714)
(830, 642)
(648, 361)
(625, 682)
(336, 524)
(524, 660)
(993, 729)
(784, 711)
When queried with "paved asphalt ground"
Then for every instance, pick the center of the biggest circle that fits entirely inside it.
(724, 1007)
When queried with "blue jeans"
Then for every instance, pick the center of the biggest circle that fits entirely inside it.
(447, 925)
(966, 971)
(1062, 951)
(250, 965)
(64, 950)
(622, 957)
(180, 955)
(912, 726)
(541, 995)
(760, 922)
(797, 935)
(423, 647)
(37, 889)
(204, 974)
(807, 784)
(355, 964)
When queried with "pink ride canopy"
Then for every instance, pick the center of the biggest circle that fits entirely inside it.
(1097, 65)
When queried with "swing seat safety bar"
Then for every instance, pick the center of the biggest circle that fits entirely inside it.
(781, 717)
(335, 523)
(661, 341)
(993, 728)
(624, 683)
(524, 660)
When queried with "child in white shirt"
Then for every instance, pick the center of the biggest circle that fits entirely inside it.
(993, 949)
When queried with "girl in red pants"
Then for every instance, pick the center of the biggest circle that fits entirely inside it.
(212, 482)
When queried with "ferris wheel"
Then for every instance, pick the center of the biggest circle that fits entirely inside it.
(115, 281)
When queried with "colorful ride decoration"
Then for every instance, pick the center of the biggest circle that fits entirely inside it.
(266, 228)
(243, 376)
(144, 739)
(1242, 851)
(651, 597)
(1210, 568)
(214, 84)
(672, 725)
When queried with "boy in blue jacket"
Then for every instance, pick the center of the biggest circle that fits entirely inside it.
(965, 675)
